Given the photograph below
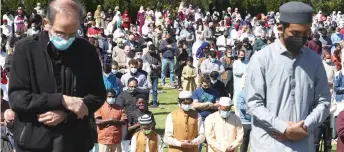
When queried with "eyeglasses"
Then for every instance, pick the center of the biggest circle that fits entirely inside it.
(62, 34)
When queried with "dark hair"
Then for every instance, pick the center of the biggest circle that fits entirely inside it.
(189, 59)
(110, 36)
(151, 47)
(107, 68)
(214, 75)
(132, 79)
(140, 96)
(113, 91)
(212, 54)
(206, 79)
(133, 62)
(241, 50)
(139, 60)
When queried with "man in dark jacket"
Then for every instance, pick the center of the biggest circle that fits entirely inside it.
(7, 143)
(56, 85)
(127, 100)
(154, 61)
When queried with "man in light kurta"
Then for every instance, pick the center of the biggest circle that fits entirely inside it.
(287, 90)
(223, 129)
(184, 129)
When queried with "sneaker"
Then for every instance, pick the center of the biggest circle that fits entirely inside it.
(154, 106)
(180, 89)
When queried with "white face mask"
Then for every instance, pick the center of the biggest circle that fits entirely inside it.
(133, 70)
(213, 81)
(185, 107)
(224, 114)
(328, 60)
(114, 71)
(111, 100)
(138, 57)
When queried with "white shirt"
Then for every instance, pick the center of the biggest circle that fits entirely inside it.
(157, 15)
(169, 140)
(9, 19)
(31, 32)
(195, 47)
(221, 41)
(3, 56)
(330, 69)
(118, 34)
(198, 15)
(6, 30)
(234, 34)
(133, 144)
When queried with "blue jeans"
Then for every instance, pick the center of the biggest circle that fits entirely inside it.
(155, 91)
(170, 64)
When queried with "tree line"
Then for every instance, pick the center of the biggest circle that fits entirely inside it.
(245, 6)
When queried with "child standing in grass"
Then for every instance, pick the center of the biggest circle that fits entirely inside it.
(189, 75)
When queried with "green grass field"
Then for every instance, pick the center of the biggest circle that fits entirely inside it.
(168, 102)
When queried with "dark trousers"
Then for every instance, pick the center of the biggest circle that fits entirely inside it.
(246, 139)
(324, 132)
(180, 79)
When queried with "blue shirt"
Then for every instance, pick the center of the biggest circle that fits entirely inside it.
(207, 95)
(167, 53)
(242, 108)
(338, 86)
(282, 88)
(110, 82)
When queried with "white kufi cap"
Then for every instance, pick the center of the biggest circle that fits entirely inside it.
(225, 101)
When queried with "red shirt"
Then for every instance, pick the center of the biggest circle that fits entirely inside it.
(110, 134)
(340, 131)
(316, 46)
(93, 31)
(336, 61)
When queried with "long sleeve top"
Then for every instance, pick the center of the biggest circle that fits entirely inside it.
(282, 88)
(222, 133)
(239, 68)
(169, 140)
(207, 67)
(133, 144)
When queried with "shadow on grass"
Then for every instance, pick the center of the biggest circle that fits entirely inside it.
(161, 113)
(169, 103)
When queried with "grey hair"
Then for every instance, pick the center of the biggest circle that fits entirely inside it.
(57, 6)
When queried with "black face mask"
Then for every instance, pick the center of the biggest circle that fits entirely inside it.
(294, 44)
(241, 58)
(10, 126)
(152, 52)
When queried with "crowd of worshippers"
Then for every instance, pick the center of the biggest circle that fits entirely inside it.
(204, 54)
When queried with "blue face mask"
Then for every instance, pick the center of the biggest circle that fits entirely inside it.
(111, 101)
(224, 114)
(60, 43)
(212, 60)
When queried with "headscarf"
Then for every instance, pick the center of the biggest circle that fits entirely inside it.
(98, 11)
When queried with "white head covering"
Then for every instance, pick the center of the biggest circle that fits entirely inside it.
(145, 119)
(185, 95)
(225, 101)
